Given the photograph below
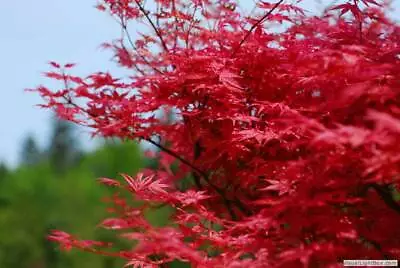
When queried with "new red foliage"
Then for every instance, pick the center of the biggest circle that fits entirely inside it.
(291, 137)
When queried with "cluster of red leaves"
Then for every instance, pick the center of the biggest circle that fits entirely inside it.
(290, 137)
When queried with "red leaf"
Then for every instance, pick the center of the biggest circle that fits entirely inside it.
(109, 182)
(54, 75)
(384, 121)
(69, 65)
(367, 2)
(55, 65)
(229, 79)
(100, 7)
(115, 224)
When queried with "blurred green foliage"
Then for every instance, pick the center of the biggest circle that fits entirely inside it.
(35, 199)
(56, 188)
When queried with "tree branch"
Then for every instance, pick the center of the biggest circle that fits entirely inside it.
(385, 193)
(204, 175)
(197, 152)
(130, 41)
(378, 247)
(146, 14)
(255, 26)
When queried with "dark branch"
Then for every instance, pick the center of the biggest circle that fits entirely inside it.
(203, 174)
(378, 247)
(146, 14)
(386, 194)
(205, 177)
(197, 152)
(255, 26)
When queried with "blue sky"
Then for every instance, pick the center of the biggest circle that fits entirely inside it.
(31, 34)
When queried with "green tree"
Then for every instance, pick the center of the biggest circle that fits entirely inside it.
(35, 203)
(3, 174)
(30, 153)
(63, 150)
(3, 170)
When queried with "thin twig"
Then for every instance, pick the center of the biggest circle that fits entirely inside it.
(191, 24)
(135, 65)
(130, 41)
(156, 30)
(176, 28)
(255, 26)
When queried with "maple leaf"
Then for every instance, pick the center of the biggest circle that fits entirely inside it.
(272, 145)
(384, 121)
(281, 186)
(114, 223)
(69, 65)
(101, 7)
(191, 197)
(344, 135)
(109, 182)
(145, 184)
(140, 264)
(54, 75)
(66, 240)
(55, 65)
(228, 79)
(367, 2)
(259, 136)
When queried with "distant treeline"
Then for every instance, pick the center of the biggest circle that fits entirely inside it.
(56, 188)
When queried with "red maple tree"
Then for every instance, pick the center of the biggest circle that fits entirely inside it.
(284, 142)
